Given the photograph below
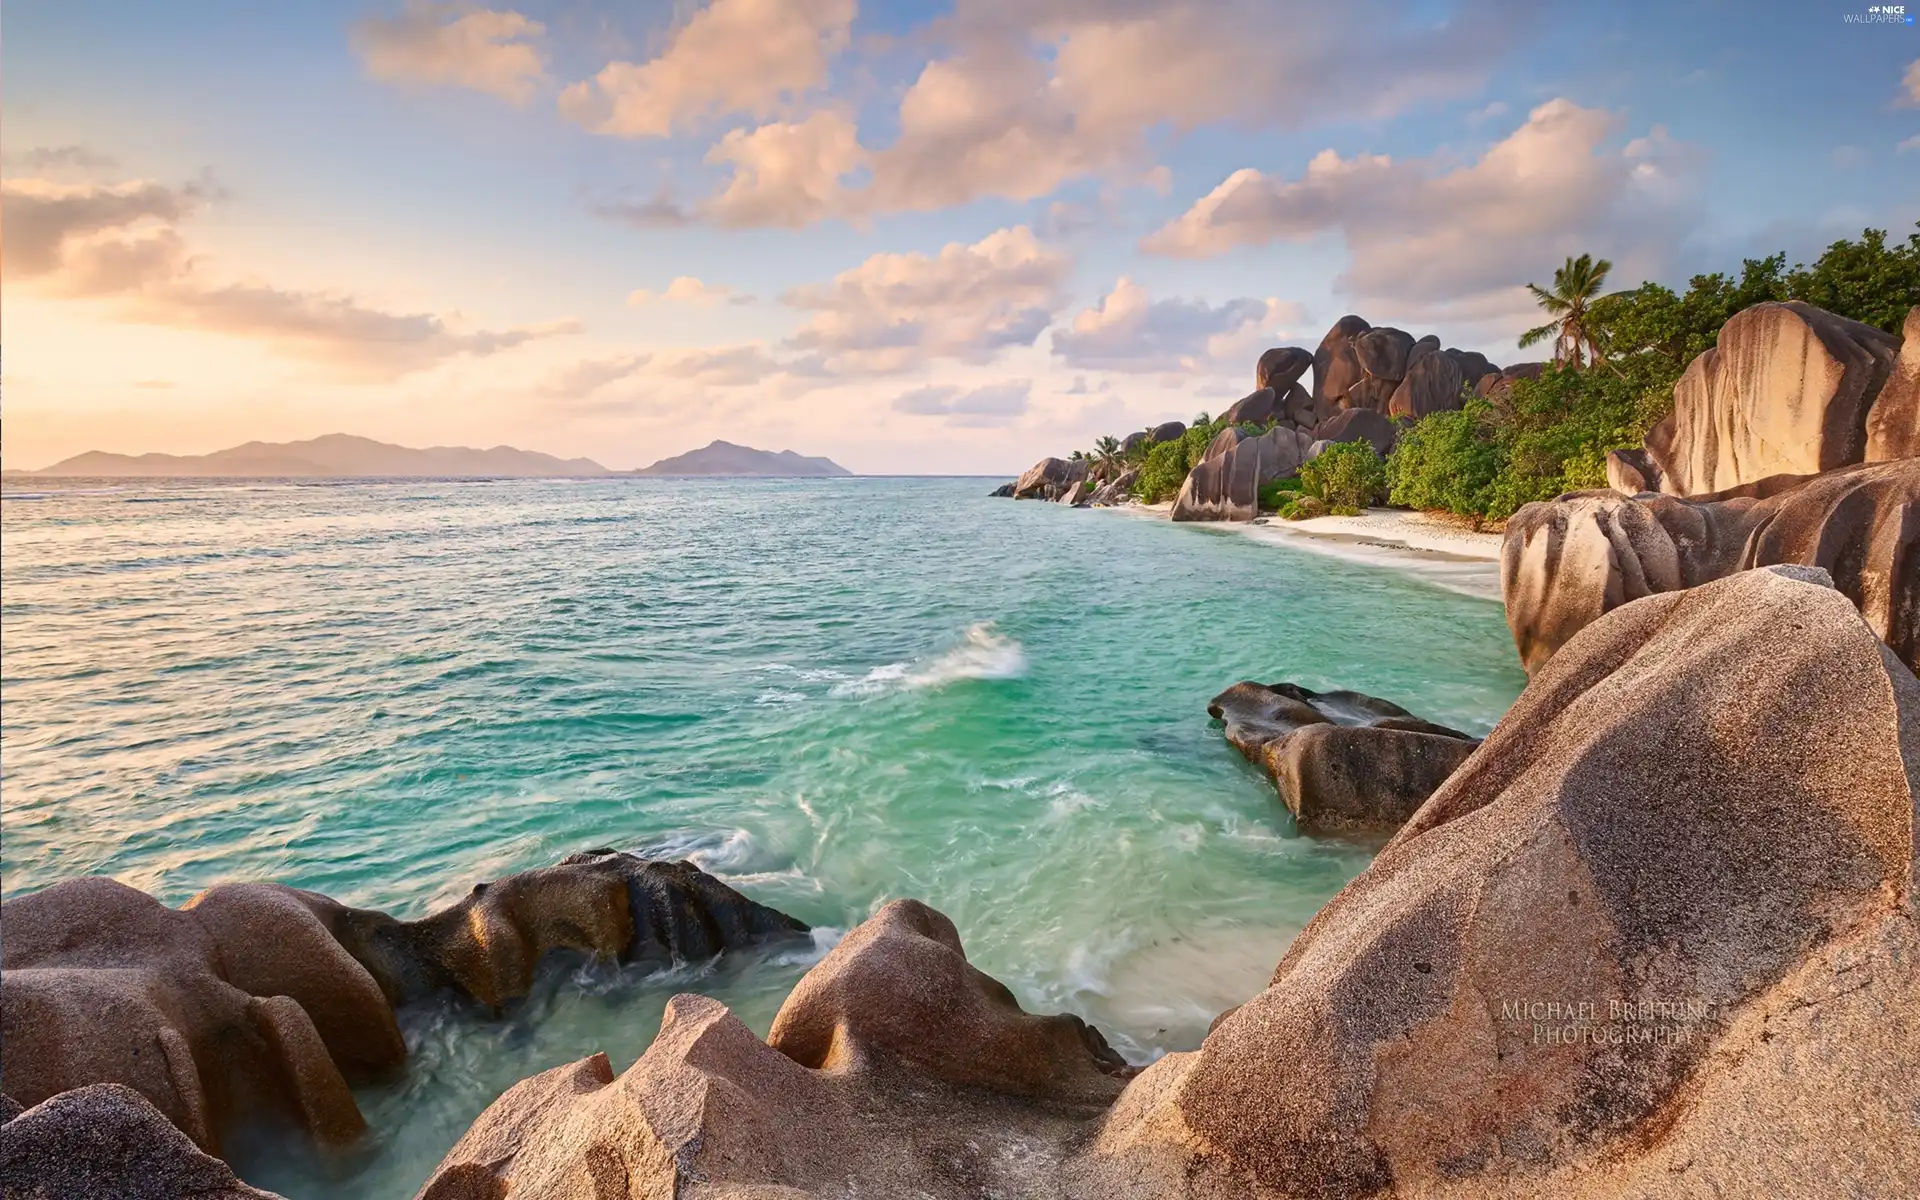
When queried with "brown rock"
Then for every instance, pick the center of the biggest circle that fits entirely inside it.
(1117, 490)
(1893, 424)
(1281, 368)
(1454, 1022)
(1473, 365)
(1632, 472)
(1256, 409)
(1433, 384)
(1383, 352)
(1371, 394)
(1169, 431)
(1359, 425)
(1298, 409)
(1495, 385)
(1786, 391)
(1225, 486)
(1565, 562)
(106, 1142)
(1050, 478)
(1336, 367)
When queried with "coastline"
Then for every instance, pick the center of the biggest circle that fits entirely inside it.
(1444, 555)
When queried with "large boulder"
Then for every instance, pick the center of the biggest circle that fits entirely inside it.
(1359, 425)
(106, 1142)
(1474, 366)
(894, 1068)
(1656, 938)
(1342, 761)
(1281, 367)
(1632, 472)
(1383, 352)
(1495, 385)
(1169, 431)
(1787, 390)
(1050, 478)
(262, 1000)
(1225, 485)
(1566, 562)
(1433, 384)
(1893, 423)
(1257, 408)
(1336, 366)
(1004, 490)
(1117, 490)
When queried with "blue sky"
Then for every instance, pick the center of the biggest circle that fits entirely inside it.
(918, 238)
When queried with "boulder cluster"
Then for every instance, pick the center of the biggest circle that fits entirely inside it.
(257, 998)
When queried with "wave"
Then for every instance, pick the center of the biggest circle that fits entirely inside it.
(983, 653)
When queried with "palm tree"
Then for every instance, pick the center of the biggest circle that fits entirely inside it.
(1575, 286)
(1106, 454)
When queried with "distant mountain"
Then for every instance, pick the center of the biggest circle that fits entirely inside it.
(335, 456)
(725, 458)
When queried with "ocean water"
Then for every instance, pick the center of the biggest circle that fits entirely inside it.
(830, 693)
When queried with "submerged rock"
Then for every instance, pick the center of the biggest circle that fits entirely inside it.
(106, 1142)
(1603, 959)
(262, 999)
(1566, 562)
(1225, 485)
(1342, 761)
(1005, 489)
(895, 1068)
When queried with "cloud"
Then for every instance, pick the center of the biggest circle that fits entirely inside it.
(718, 366)
(1906, 144)
(733, 56)
(1480, 116)
(895, 311)
(119, 241)
(1128, 331)
(786, 175)
(661, 212)
(685, 289)
(590, 375)
(1911, 82)
(981, 408)
(1426, 232)
(47, 158)
(451, 45)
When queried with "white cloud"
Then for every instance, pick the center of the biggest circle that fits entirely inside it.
(718, 366)
(451, 45)
(119, 241)
(785, 174)
(1906, 144)
(590, 375)
(1911, 82)
(1432, 232)
(895, 311)
(1481, 116)
(1129, 331)
(980, 408)
(733, 56)
(686, 289)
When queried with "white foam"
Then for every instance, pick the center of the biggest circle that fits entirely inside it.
(983, 653)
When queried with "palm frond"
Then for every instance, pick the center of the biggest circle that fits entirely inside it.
(1538, 334)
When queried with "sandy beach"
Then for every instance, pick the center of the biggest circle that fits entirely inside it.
(1439, 552)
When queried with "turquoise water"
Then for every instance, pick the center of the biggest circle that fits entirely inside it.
(829, 692)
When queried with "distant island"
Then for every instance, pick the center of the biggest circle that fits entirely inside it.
(725, 458)
(334, 456)
(343, 456)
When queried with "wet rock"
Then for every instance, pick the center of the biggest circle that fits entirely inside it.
(1049, 478)
(1005, 489)
(106, 1142)
(1566, 562)
(1893, 423)
(894, 1069)
(1336, 366)
(1225, 485)
(1433, 384)
(1281, 368)
(1648, 941)
(1787, 390)
(1342, 761)
(1359, 425)
(258, 999)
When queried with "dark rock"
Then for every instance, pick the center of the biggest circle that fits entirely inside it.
(1117, 490)
(1169, 431)
(1433, 384)
(1566, 562)
(1050, 478)
(1359, 425)
(1496, 385)
(1281, 367)
(1259, 408)
(1336, 367)
(1005, 489)
(106, 1142)
(1473, 365)
(1297, 408)
(1342, 761)
(1371, 393)
(1225, 486)
(1383, 352)
(1133, 441)
(1632, 472)
(1423, 347)
(1679, 872)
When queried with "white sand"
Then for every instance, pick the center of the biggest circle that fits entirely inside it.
(1441, 553)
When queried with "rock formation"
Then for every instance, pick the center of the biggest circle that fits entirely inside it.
(1225, 485)
(1117, 490)
(1599, 961)
(1050, 478)
(1281, 367)
(1383, 369)
(258, 998)
(1336, 365)
(1433, 383)
(1632, 472)
(1789, 389)
(1342, 761)
(1497, 383)
(1004, 490)
(106, 1142)
(1169, 431)
(1565, 562)
(1893, 423)
(895, 1068)
(1359, 425)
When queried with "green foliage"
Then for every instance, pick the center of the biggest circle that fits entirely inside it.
(1277, 492)
(1168, 463)
(1303, 508)
(1449, 461)
(1867, 280)
(1348, 476)
(1576, 285)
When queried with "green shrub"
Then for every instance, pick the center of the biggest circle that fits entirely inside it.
(1168, 463)
(1277, 492)
(1302, 508)
(1448, 461)
(1347, 476)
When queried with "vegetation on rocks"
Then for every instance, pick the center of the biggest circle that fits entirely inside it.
(1348, 477)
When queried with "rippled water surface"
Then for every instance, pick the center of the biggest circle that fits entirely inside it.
(828, 692)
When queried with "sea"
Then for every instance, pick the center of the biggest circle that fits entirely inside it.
(830, 693)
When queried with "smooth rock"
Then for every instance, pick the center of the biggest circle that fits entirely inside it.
(1383, 352)
(1117, 490)
(1049, 478)
(1433, 384)
(1005, 489)
(1632, 472)
(1893, 423)
(1359, 425)
(1281, 367)
(1566, 562)
(1169, 431)
(1258, 408)
(1371, 394)
(1225, 486)
(1336, 367)
(1474, 366)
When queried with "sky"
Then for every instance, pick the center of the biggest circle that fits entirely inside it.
(917, 238)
